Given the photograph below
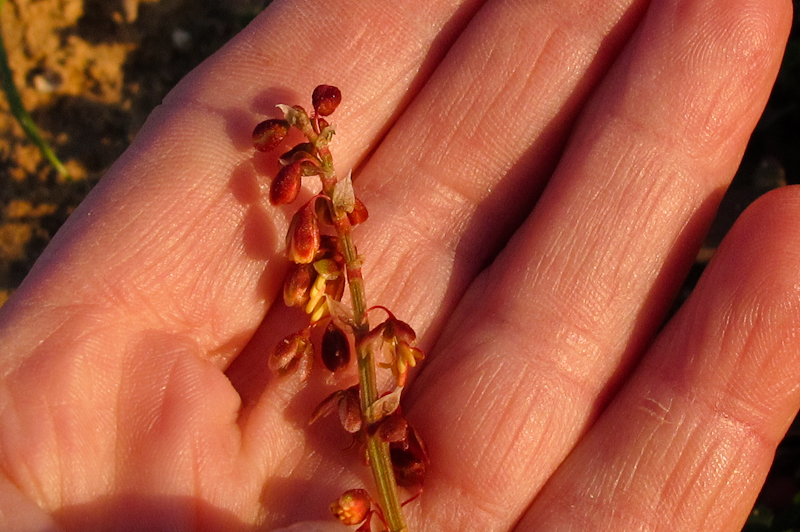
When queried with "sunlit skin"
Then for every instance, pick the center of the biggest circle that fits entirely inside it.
(539, 177)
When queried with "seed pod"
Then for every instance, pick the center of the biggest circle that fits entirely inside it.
(335, 348)
(393, 428)
(286, 185)
(303, 237)
(326, 99)
(352, 507)
(269, 133)
(350, 411)
(293, 354)
(409, 460)
(297, 284)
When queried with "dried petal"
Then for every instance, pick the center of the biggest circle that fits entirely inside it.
(328, 405)
(344, 198)
(295, 115)
(335, 348)
(385, 405)
(359, 213)
(352, 507)
(303, 238)
(286, 185)
(326, 99)
(269, 133)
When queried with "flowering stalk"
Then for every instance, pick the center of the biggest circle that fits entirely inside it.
(325, 259)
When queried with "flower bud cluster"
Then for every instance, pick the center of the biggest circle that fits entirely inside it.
(323, 262)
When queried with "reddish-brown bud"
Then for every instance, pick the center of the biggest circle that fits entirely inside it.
(303, 237)
(335, 348)
(326, 99)
(269, 133)
(352, 507)
(286, 185)
(392, 428)
(297, 284)
(293, 354)
(359, 213)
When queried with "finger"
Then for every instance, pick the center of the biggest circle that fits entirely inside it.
(544, 336)
(175, 237)
(689, 440)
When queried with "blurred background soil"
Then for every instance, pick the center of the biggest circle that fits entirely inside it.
(90, 71)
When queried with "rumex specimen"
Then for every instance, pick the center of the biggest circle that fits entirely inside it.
(324, 261)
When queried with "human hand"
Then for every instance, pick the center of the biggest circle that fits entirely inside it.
(539, 177)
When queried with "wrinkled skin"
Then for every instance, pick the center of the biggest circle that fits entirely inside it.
(539, 177)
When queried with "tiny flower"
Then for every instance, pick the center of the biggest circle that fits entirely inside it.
(269, 133)
(352, 507)
(399, 340)
(303, 237)
(297, 285)
(326, 99)
(293, 354)
(335, 349)
(286, 185)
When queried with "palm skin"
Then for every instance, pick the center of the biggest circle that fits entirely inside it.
(539, 176)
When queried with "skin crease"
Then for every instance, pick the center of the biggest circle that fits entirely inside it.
(539, 177)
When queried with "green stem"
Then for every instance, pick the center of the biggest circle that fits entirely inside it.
(21, 114)
(377, 450)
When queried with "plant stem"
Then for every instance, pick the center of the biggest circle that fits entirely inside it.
(21, 114)
(380, 460)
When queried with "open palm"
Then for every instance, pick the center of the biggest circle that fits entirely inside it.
(539, 177)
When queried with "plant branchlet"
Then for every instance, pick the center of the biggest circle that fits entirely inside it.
(324, 263)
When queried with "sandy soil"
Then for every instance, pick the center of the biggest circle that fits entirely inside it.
(89, 72)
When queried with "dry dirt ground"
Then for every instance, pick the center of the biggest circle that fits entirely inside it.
(89, 72)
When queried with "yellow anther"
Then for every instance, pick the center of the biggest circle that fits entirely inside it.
(316, 293)
(320, 311)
